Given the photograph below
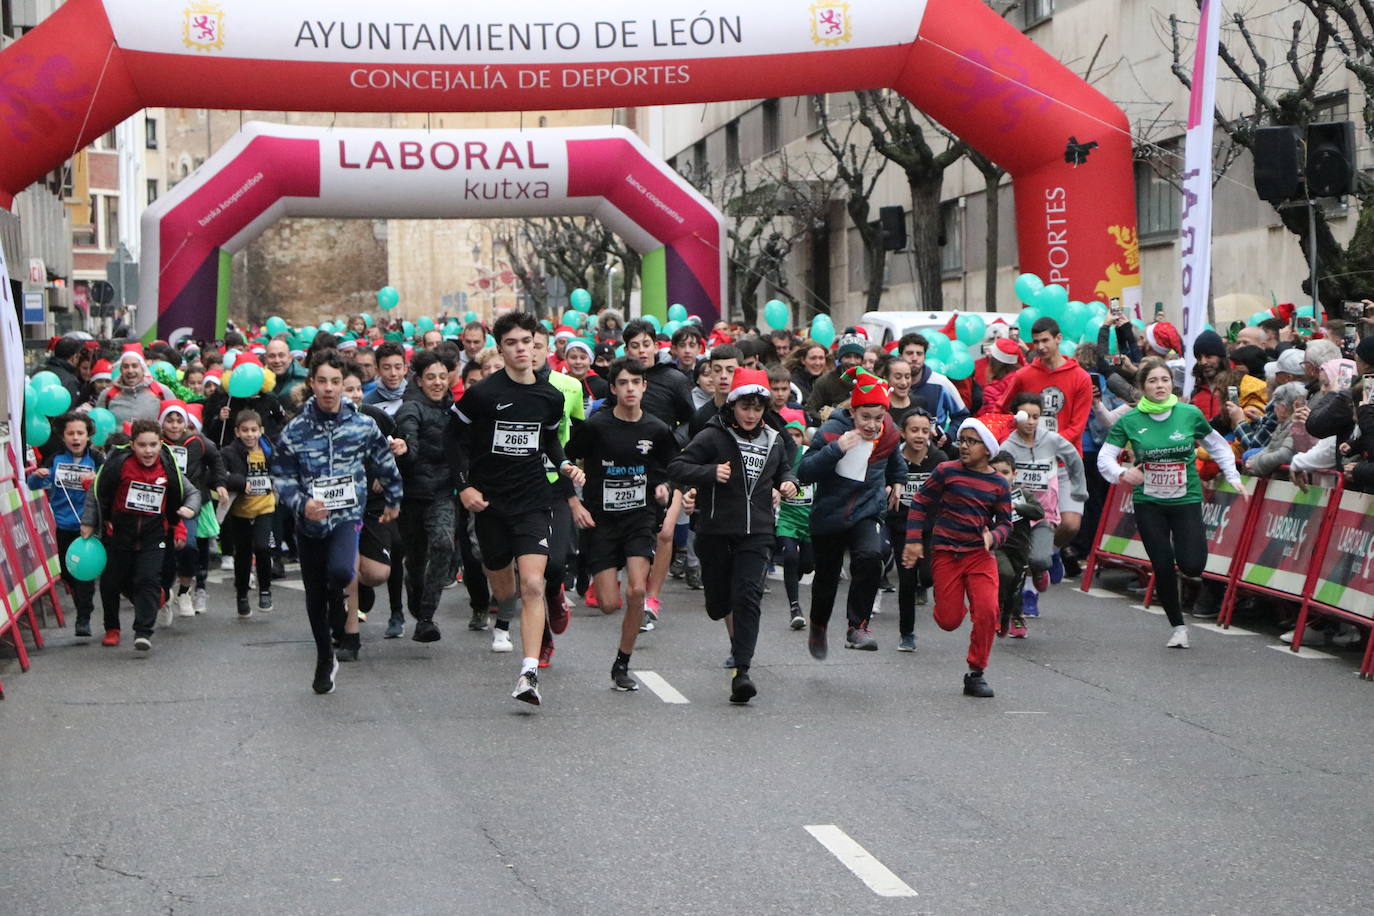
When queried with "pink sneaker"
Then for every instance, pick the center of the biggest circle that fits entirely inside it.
(651, 608)
(1017, 630)
(1041, 581)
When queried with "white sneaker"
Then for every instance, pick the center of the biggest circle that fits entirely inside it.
(226, 564)
(164, 615)
(1312, 637)
(200, 601)
(1179, 638)
(184, 606)
(500, 641)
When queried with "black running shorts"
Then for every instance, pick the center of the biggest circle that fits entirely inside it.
(377, 540)
(618, 536)
(502, 538)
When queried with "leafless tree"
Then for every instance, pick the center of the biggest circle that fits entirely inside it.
(858, 168)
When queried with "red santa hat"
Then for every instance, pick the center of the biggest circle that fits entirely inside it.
(101, 370)
(136, 352)
(793, 417)
(747, 382)
(563, 331)
(214, 376)
(248, 358)
(988, 439)
(174, 406)
(195, 413)
(1163, 338)
(950, 330)
(1005, 350)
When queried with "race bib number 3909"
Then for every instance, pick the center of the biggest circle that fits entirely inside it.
(511, 438)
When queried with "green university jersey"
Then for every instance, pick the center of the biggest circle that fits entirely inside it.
(1165, 452)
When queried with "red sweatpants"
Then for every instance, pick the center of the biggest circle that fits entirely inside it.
(972, 575)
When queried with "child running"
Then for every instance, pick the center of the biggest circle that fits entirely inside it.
(66, 474)
(794, 521)
(248, 527)
(974, 518)
(625, 453)
(921, 459)
(1015, 551)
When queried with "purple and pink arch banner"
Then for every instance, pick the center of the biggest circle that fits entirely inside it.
(268, 171)
(1067, 148)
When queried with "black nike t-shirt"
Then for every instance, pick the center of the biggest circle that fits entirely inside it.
(507, 431)
(624, 461)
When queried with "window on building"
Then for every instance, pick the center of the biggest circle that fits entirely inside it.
(732, 145)
(109, 223)
(952, 237)
(152, 190)
(700, 167)
(1156, 198)
(68, 180)
(150, 132)
(1037, 11)
(815, 107)
(772, 126)
(107, 141)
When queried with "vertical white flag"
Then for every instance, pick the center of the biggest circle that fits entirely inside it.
(1195, 212)
(12, 348)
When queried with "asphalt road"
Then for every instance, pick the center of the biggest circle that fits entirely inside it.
(1108, 775)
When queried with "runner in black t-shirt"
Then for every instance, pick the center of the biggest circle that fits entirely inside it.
(509, 429)
(626, 453)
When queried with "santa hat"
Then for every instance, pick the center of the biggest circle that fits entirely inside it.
(563, 331)
(174, 406)
(1005, 350)
(350, 344)
(950, 329)
(868, 389)
(135, 351)
(1163, 338)
(793, 417)
(579, 344)
(246, 358)
(1000, 425)
(260, 350)
(194, 413)
(101, 370)
(215, 375)
(985, 434)
(999, 328)
(747, 382)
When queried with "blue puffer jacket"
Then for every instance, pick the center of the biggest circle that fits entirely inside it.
(316, 446)
(839, 502)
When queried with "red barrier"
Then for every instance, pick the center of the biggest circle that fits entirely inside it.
(1117, 542)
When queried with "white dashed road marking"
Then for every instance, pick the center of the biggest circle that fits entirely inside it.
(666, 692)
(858, 860)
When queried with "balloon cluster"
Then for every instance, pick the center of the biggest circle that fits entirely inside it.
(1079, 322)
(44, 398)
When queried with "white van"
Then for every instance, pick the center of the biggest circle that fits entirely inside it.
(885, 327)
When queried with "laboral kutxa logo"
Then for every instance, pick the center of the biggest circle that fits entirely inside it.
(830, 24)
(203, 26)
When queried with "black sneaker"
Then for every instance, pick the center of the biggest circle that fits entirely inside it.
(325, 669)
(243, 608)
(349, 647)
(621, 678)
(527, 688)
(885, 586)
(478, 621)
(798, 621)
(815, 641)
(426, 631)
(860, 638)
(265, 599)
(278, 568)
(143, 643)
(693, 577)
(921, 597)
(742, 689)
(395, 627)
(678, 567)
(975, 686)
(82, 629)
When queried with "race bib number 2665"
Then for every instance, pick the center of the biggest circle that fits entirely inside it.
(511, 438)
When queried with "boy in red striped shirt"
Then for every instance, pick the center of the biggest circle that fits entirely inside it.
(973, 519)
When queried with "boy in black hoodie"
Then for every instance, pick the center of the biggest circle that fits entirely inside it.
(1014, 553)
(140, 502)
(733, 467)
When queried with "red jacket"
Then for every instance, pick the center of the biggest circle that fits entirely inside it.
(1067, 395)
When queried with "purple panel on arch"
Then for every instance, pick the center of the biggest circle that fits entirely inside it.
(196, 305)
(684, 289)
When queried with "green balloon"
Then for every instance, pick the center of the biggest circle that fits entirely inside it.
(1027, 319)
(37, 430)
(775, 315)
(677, 312)
(367, 320)
(54, 400)
(246, 380)
(959, 366)
(30, 398)
(105, 423)
(939, 346)
(308, 334)
(1027, 286)
(1256, 318)
(969, 328)
(408, 328)
(469, 316)
(581, 300)
(276, 325)
(424, 323)
(45, 379)
(653, 322)
(86, 559)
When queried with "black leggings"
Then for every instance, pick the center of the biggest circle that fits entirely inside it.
(1172, 534)
(909, 581)
(251, 540)
(798, 559)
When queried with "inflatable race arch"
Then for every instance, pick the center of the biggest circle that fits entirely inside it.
(268, 171)
(1066, 146)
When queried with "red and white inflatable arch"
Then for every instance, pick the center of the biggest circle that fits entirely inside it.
(1067, 148)
(268, 171)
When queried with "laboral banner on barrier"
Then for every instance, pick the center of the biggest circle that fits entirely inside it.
(1285, 534)
(1119, 535)
(1223, 518)
(1345, 577)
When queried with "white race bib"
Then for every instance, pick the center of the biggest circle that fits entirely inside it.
(1049, 423)
(517, 439)
(70, 476)
(620, 495)
(179, 455)
(335, 492)
(914, 481)
(753, 455)
(803, 497)
(257, 485)
(1035, 477)
(1166, 479)
(145, 497)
